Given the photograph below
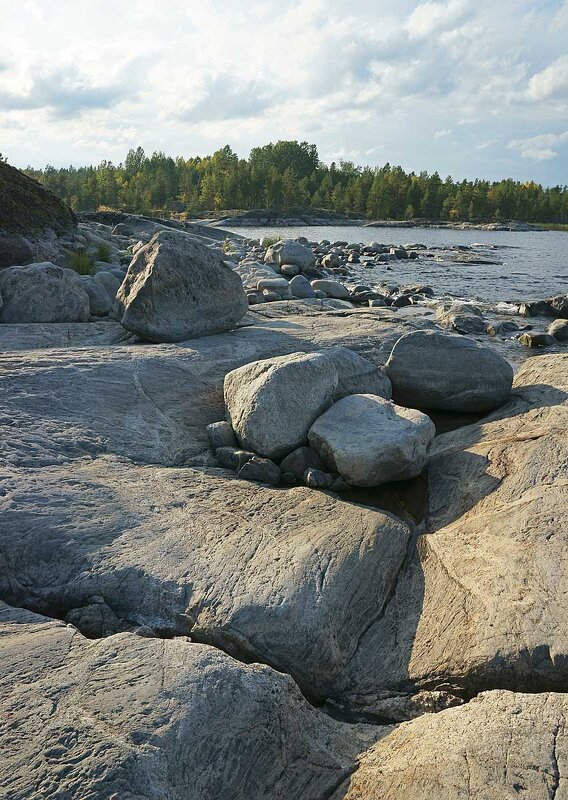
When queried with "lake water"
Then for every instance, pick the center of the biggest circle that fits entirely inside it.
(534, 264)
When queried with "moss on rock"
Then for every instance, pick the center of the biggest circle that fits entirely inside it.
(27, 208)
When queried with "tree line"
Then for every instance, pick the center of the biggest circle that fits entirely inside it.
(289, 176)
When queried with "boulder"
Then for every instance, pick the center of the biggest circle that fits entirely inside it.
(14, 250)
(331, 288)
(301, 287)
(136, 717)
(272, 403)
(300, 460)
(100, 302)
(220, 434)
(537, 339)
(462, 319)
(177, 289)
(109, 281)
(552, 307)
(252, 272)
(500, 745)
(370, 441)
(43, 293)
(559, 329)
(278, 286)
(357, 375)
(289, 252)
(428, 369)
(259, 469)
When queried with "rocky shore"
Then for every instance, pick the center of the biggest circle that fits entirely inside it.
(274, 219)
(270, 532)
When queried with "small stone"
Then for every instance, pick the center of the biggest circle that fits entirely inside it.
(300, 460)
(317, 479)
(232, 457)
(331, 288)
(260, 469)
(289, 479)
(220, 435)
(536, 339)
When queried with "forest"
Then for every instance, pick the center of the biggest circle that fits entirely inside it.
(288, 176)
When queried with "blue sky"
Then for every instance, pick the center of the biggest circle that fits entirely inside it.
(467, 87)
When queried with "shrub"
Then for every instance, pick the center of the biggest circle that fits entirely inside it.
(81, 262)
(103, 253)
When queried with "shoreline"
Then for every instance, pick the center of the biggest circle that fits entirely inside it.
(309, 221)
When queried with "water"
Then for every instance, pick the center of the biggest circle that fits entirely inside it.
(534, 264)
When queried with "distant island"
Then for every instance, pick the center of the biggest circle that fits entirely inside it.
(287, 179)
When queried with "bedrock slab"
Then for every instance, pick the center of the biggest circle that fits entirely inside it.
(481, 602)
(499, 746)
(140, 718)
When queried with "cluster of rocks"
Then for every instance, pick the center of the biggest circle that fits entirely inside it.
(171, 631)
(326, 420)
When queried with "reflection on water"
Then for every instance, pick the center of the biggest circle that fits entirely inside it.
(534, 264)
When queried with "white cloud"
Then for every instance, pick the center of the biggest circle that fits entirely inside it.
(540, 148)
(428, 18)
(188, 77)
(550, 82)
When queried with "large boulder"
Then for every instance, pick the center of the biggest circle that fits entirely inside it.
(14, 250)
(42, 293)
(176, 289)
(434, 370)
(132, 717)
(501, 745)
(357, 375)
(370, 441)
(288, 252)
(552, 307)
(272, 403)
(331, 288)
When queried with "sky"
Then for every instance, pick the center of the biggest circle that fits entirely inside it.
(471, 88)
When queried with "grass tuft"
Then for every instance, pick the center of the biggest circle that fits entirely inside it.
(80, 262)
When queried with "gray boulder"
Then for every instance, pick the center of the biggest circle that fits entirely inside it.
(176, 289)
(14, 250)
(43, 293)
(301, 287)
(220, 434)
(370, 441)
(100, 302)
(462, 319)
(428, 369)
(357, 375)
(272, 403)
(278, 286)
(300, 460)
(331, 288)
(262, 470)
(537, 339)
(288, 252)
(109, 282)
(559, 329)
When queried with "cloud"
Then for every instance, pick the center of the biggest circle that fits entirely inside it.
(64, 91)
(431, 17)
(442, 133)
(540, 148)
(224, 97)
(551, 82)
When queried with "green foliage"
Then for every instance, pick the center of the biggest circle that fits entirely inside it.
(103, 253)
(289, 175)
(81, 262)
(268, 241)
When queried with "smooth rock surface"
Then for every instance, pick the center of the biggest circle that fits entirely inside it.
(272, 403)
(480, 602)
(288, 252)
(176, 289)
(497, 747)
(132, 717)
(370, 441)
(428, 369)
